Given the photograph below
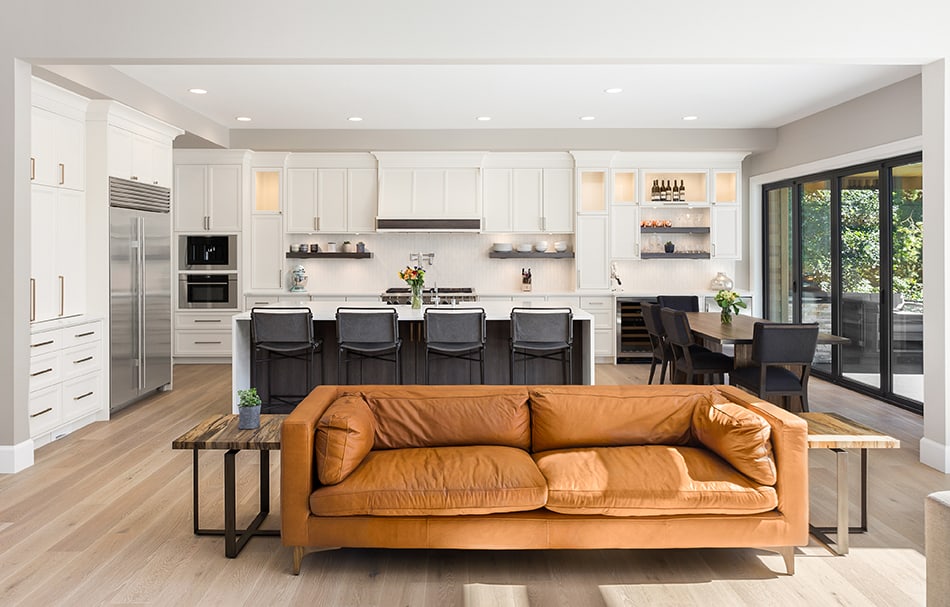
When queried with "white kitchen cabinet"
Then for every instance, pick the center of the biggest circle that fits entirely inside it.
(58, 147)
(208, 197)
(203, 334)
(362, 193)
(625, 231)
(331, 200)
(527, 203)
(592, 191)
(431, 193)
(591, 252)
(57, 253)
(726, 231)
(267, 252)
(605, 320)
(558, 199)
(496, 200)
(66, 387)
(527, 200)
(136, 157)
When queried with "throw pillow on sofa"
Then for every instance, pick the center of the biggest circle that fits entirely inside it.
(345, 434)
(739, 436)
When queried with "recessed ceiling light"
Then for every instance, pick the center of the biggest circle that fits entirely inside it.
(588, 118)
(688, 118)
(355, 119)
(483, 118)
(198, 91)
(613, 91)
(243, 119)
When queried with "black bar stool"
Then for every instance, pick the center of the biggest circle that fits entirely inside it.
(456, 333)
(367, 333)
(546, 333)
(283, 334)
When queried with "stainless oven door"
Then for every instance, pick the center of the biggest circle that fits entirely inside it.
(207, 291)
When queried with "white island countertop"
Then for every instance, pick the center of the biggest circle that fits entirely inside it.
(494, 310)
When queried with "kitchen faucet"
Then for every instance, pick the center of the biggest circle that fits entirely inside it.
(420, 257)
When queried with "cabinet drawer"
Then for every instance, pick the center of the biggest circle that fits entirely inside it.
(45, 370)
(603, 342)
(597, 303)
(47, 341)
(44, 409)
(210, 321)
(82, 395)
(82, 334)
(203, 343)
(80, 360)
(260, 300)
(603, 319)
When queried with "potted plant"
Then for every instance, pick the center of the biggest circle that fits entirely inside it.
(348, 247)
(669, 246)
(249, 409)
(730, 302)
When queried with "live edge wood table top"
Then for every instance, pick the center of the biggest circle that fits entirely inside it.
(833, 431)
(221, 432)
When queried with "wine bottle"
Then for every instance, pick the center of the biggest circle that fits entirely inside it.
(682, 191)
(669, 192)
(653, 191)
(676, 192)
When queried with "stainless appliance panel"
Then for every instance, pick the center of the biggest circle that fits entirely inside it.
(207, 292)
(157, 302)
(217, 253)
(123, 307)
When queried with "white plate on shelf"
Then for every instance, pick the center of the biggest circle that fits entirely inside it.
(525, 248)
(502, 247)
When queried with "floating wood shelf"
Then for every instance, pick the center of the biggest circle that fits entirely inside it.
(674, 255)
(325, 255)
(683, 230)
(532, 254)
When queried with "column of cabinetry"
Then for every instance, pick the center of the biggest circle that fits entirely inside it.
(209, 190)
(591, 243)
(331, 193)
(66, 380)
(266, 239)
(58, 203)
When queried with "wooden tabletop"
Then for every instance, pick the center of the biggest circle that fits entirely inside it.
(221, 432)
(709, 326)
(833, 431)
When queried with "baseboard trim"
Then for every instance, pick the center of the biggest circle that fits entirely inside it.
(14, 458)
(935, 455)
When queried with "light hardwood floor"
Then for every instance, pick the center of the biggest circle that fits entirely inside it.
(104, 517)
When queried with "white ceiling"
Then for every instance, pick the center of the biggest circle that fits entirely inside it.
(398, 96)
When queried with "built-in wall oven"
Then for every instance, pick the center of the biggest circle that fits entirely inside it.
(207, 291)
(208, 253)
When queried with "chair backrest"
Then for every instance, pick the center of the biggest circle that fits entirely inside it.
(676, 326)
(686, 303)
(652, 319)
(367, 325)
(455, 325)
(283, 325)
(542, 325)
(780, 343)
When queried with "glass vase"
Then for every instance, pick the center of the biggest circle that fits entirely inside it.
(726, 316)
(416, 300)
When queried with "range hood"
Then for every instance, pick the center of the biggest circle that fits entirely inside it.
(429, 191)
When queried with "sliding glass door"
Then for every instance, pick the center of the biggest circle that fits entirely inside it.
(844, 249)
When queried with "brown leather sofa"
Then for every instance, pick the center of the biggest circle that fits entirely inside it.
(542, 467)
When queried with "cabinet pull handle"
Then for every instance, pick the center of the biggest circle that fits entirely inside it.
(134, 178)
(43, 343)
(280, 277)
(544, 224)
(32, 299)
(261, 303)
(86, 334)
(82, 396)
(46, 410)
(62, 173)
(41, 372)
(155, 182)
(207, 342)
(82, 360)
(32, 168)
(207, 320)
(62, 295)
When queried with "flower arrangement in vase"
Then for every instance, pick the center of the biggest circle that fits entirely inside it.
(730, 302)
(415, 278)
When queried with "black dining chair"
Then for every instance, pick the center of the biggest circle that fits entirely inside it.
(455, 333)
(367, 334)
(689, 358)
(661, 349)
(685, 303)
(282, 334)
(542, 333)
(775, 347)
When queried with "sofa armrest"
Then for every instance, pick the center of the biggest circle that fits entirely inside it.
(790, 449)
(298, 474)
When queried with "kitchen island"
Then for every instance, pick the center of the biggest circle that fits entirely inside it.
(497, 371)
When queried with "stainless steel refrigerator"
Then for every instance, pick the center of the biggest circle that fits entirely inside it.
(140, 282)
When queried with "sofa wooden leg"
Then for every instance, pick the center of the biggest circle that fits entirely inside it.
(298, 558)
(788, 554)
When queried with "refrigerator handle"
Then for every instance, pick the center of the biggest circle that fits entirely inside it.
(141, 302)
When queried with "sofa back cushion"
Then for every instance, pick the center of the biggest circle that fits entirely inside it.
(609, 416)
(739, 436)
(445, 416)
(345, 434)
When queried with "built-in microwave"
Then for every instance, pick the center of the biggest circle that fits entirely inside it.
(207, 291)
(210, 253)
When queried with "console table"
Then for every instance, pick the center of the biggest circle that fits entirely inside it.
(838, 434)
(221, 432)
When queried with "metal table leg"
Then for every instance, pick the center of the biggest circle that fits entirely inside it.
(842, 529)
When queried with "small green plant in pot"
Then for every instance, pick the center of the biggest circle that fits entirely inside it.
(249, 409)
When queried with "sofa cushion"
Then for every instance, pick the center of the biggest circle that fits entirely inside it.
(436, 481)
(565, 417)
(442, 416)
(648, 480)
(345, 435)
(739, 436)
